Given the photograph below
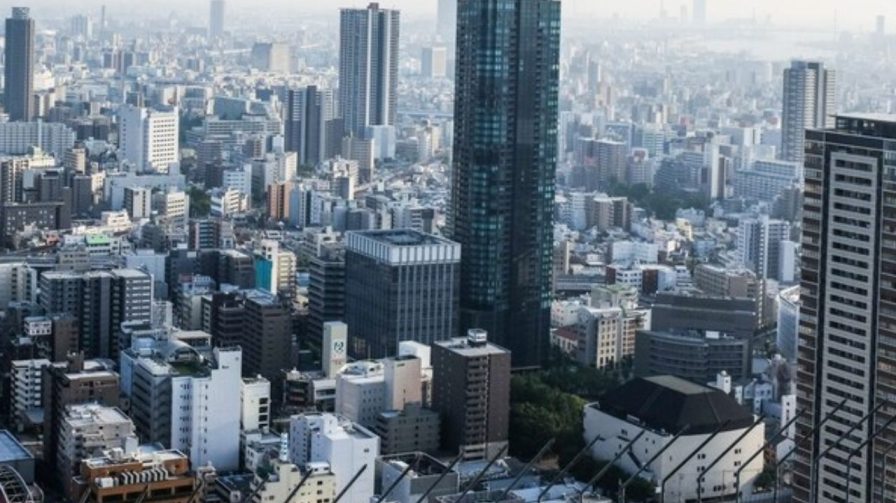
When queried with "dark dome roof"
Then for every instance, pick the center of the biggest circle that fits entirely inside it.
(670, 403)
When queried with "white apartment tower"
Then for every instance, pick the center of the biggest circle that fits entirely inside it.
(368, 67)
(148, 139)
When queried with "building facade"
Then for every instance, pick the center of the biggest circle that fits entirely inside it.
(505, 154)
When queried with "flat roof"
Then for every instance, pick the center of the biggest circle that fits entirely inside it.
(403, 237)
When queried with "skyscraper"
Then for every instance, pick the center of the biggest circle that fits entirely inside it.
(310, 111)
(368, 67)
(400, 285)
(19, 67)
(699, 12)
(505, 156)
(216, 19)
(810, 99)
(148, 138)
(847, 329)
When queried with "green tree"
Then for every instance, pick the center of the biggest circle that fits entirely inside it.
(200, 202)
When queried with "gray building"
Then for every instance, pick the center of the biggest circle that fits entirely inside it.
(18, 92)
(368, 68)
(424, 471)
(810, 100)
(413, 429)
(309, 117)
(471, 390)
(734, 316)
(400, 285)
(326, 291)
(216, 19)
(692, 355)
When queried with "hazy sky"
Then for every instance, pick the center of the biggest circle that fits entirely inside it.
(850, 14)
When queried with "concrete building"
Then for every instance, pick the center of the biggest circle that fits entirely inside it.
(255, 403)
(434, 62)
(216, 19)
(471, 390)
(148, 139)
(116, 475)
(692, 355)
(26, 392)
(344, 445)
(759, 246)
(662, 406)
(409, 430)
(365, 389)
(77, 382)
(399, 285)
(282, 483)
(86, 431)
(844, 338)
(678, 311)
(138, 202)
(606, 334)
(424, 472)
(810, 101)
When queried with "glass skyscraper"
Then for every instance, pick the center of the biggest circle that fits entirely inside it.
(19, 67)
(505, 155)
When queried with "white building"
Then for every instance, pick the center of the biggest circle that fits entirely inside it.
(227, 202)
(138, 202)
(16, 138)
(279, 485)
(365, 389)
(346, 446)
(148, 139)
(606, 334)
(205, 412)
(26, 388)
(86, 430)
(663, 406)
(255, 403)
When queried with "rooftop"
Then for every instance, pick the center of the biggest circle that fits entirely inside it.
(403, 237)
(668, 403)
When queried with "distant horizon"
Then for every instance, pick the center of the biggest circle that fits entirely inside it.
(858, 15)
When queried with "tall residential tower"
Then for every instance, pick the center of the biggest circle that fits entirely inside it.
(505, 157)
(368, 67)
(18, 69)
(810, 99)
(847, 331)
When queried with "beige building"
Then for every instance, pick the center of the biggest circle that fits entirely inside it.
(320, 487)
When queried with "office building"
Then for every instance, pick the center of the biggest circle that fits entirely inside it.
(148, 139)
(368, 68)
(504, 224)
(606, 333)
(84, 431)
(399, 285)
(810, 100)
(410, 430)
(326, 291)
(663, 406)
(271, 57)
(216, 19)
(739, 317)
(344, 445)
(845, 331)
(365, 389)
(471, 390)
(693, 355)
(266, 339)
(18, 76)
(138, 202)
(282, 484)
(761, 246)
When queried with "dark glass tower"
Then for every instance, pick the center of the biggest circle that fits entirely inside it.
(19, 70)
(505, 155)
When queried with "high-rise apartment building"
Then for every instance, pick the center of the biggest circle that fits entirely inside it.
(400, 285)
(434, 62)
(18, 92)
(216, 19)
(86, 429)
(761, 246)
(148, 138)
(846, 331)
(505, 156)
(471, 390)
(810, 100)
(368, 67)
(308, 126)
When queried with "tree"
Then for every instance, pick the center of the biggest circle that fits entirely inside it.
(200, 202)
